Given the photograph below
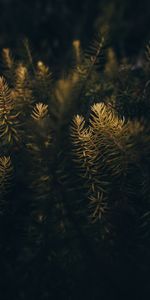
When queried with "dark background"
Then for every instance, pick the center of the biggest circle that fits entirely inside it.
(51, 25)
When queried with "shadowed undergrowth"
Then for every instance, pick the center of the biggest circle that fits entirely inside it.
(74, 176)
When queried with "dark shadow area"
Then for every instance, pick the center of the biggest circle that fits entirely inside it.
(52, 25)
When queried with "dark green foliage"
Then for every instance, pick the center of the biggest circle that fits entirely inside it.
(74, 178)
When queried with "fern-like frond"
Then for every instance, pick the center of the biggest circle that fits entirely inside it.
(104, 116)
(9, 66)
(80, 137)
(85, 70)
(21, 75)
(8, 116)
(22, 92)
(85, 155)
(108, 152)
(38, 148)
(41, 83)
(40, 111)
(43, 71)
(94, 51)
(98, 205)
(107, 134)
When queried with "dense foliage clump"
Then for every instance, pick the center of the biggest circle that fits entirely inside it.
(74, 177)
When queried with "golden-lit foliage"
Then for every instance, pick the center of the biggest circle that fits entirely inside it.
(79, 158)
(21, 74)
(22, 93)
(106, 149)
(42, 70)
(77, 50)
(8, 116)
(40, 111)
(7, 58)
(43, 76)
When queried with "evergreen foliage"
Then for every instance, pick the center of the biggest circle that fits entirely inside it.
(74, 178)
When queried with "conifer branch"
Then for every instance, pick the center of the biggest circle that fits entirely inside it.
(40, 111)
(8, 117)
(89, 62)
(85, 155)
